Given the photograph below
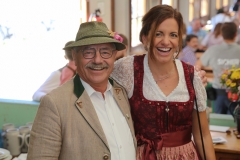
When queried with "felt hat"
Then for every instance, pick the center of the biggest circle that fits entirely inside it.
(95, 33)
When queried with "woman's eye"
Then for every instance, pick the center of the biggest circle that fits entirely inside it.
(158, 34)
(174, 35)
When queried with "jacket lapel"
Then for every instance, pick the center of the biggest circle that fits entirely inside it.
(86, 109)
(124, 106)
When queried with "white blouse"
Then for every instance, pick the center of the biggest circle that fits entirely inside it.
(123, 73)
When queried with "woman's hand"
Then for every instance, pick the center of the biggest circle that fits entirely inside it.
(201, 74)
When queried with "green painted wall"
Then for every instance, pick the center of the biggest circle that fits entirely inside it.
(17, 112)
(20, 112)
(222, 120)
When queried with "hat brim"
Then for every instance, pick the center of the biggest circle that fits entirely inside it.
(96, 40)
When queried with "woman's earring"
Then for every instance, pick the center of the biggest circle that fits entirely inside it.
(175, 54)
(146, 48)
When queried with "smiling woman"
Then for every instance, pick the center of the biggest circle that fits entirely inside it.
(31, 44)
(164, 109)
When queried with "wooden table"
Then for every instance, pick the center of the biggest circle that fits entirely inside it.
(229, 150)
(208, 70)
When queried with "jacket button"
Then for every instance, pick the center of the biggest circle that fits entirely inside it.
(105, 157)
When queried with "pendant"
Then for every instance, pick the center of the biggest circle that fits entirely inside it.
(167, 109)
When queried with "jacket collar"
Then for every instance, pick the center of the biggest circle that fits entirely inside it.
(78, 87)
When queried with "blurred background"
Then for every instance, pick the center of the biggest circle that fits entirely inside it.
(33, 33)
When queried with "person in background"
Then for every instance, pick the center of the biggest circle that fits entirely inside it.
(161, 94)
(236, 6)
(52, 82)
(213, 38)
(221, 57)
(88, 117)
(188, 52)
(55, 79)
(220, 17)
(184, 32)
(237, 11)
(70, 69)
(196, 29)
(237, 22)
(123, 53)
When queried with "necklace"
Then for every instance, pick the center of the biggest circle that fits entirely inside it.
(165, 76)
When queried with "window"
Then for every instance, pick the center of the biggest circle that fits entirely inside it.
(168, 2)
(218, 5)
(138, 9)
(204, 8)
(191, 10)
(32, 35)
(225, 3)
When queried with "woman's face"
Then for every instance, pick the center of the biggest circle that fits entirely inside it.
(166, 40)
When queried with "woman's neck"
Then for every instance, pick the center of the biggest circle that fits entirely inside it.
(161, 69)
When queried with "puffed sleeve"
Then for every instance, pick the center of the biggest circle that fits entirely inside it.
(200, 92)
(123, 73)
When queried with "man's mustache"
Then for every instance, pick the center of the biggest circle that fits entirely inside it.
(97, 66)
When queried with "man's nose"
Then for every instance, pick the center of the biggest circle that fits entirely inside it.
(98, 59)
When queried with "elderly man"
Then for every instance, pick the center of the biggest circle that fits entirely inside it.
(88, 117)
(196, 29)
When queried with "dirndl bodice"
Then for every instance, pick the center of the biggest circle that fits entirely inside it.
(159, 123)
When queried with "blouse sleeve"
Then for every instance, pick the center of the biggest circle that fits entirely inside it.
(123, 73)
(51, 83)
(200, 92)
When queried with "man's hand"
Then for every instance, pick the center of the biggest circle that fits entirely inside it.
(202, 75)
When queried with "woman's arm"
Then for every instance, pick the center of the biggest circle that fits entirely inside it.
(207, 139)
(204, 43)
(201, 102)
(201, 73)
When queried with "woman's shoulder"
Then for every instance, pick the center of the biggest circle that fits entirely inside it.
(125, 60)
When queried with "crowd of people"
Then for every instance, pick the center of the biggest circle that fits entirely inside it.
(220, 48)
(208, 38)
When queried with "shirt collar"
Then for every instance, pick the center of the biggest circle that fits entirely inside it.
(90, 90)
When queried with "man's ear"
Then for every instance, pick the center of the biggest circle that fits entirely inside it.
(74, 56)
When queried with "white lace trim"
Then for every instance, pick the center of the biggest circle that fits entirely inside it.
(123, 73)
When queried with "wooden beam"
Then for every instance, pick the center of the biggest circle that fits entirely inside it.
(112, 16)
(87, 10)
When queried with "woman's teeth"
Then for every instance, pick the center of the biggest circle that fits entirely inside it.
(164, 49)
